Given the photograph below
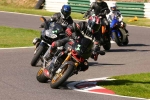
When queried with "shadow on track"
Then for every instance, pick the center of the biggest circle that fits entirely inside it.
(92, 64)
(135, 45)
(126, 50)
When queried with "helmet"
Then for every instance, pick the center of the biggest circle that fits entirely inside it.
(94, 24)
(65, 11)
(113, 7)
(99, 1)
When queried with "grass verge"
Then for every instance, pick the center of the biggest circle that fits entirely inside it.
(16, 37)
(135, 85)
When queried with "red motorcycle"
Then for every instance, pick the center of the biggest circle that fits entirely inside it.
(67, 61)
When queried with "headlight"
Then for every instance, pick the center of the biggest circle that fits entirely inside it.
(50, 35)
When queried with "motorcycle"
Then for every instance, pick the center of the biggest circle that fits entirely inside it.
(118, 33)
(104, 34)
(67, 61)
(52, 32)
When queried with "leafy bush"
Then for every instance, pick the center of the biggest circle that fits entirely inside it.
(19, 3)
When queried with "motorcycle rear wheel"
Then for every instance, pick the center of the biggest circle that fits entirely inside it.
(62, 76)
(41, 77)
(36, 57)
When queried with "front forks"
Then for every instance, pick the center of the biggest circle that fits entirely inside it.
(46, 56)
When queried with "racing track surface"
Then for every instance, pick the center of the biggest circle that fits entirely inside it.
(17, 77)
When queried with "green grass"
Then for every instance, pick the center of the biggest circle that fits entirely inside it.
(16, 37)
(139, 22)
(26, 11)
(135, 85)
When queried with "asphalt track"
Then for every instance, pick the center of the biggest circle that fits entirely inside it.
(18, 78)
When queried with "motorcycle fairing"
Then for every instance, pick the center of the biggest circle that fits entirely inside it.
(83, 47)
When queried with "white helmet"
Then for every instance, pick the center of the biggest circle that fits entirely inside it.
(113, 6)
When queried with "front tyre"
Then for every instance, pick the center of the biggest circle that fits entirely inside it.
(41, 77)
(62, 75)
(126, 42)
(116, 39)
(37, 55)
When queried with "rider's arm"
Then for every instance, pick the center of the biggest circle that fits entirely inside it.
(120, 16)
(82, 26)
(106, 11)
(89, 10)
(51, 19)
(54, 17)
(92, 6)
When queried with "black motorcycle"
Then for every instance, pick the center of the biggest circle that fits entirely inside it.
(52, 32)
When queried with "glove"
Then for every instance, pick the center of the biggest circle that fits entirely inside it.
(42, 25)
(69, 32)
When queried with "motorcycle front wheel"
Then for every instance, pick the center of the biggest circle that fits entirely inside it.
(116, 39)
(126, 42)
(37, 55)
(61, 76)
(41, 77)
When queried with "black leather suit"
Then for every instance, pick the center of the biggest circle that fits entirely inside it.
(101, 9)
(77, 33)
(58, 19)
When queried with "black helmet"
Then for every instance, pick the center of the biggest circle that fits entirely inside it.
(65, 11)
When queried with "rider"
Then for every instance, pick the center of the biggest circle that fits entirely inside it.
(116, 13)
(79, 30)
(63, 17)
(90, 29)
(98, 8)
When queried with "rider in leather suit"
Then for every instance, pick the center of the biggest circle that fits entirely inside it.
(77, 30)
(63, 17)
(100, 8)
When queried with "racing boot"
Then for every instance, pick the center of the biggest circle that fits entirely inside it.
(95, 55)
(96, 52)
